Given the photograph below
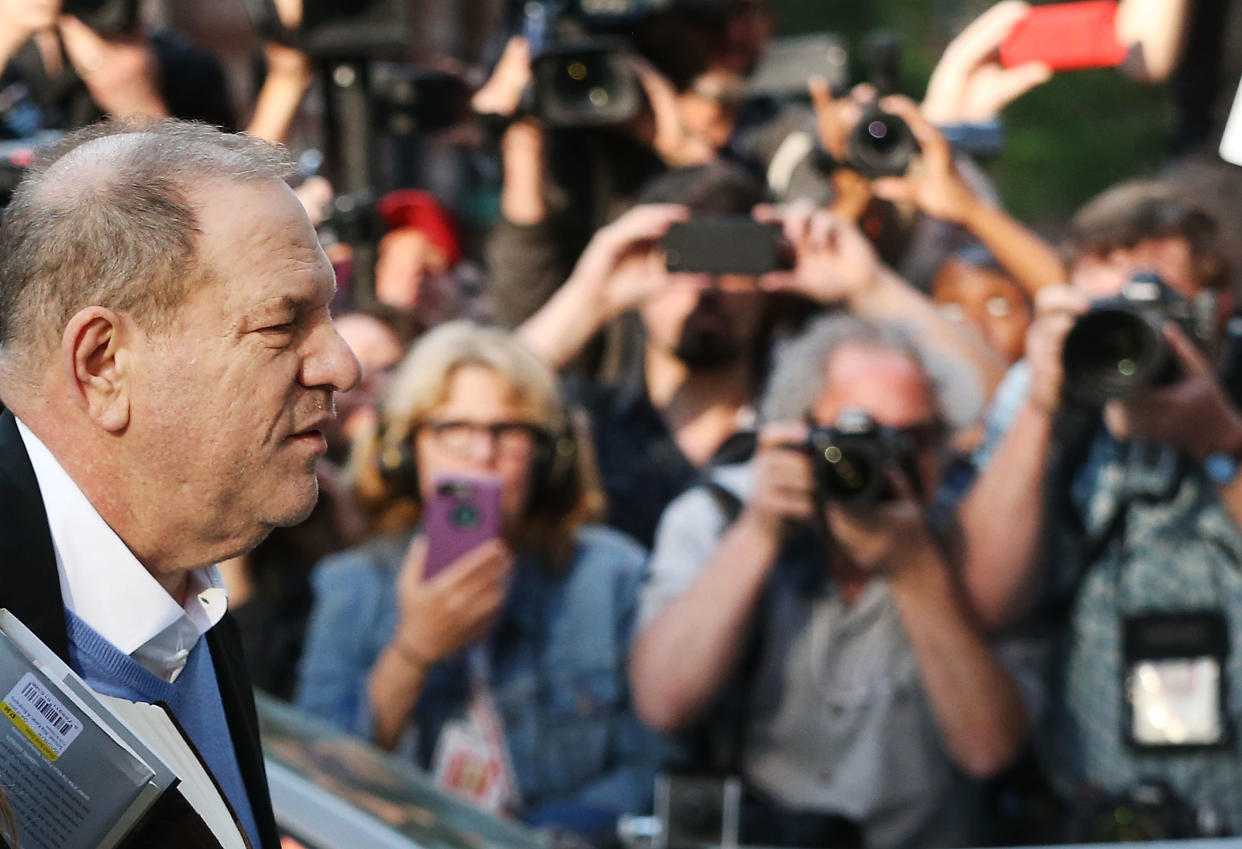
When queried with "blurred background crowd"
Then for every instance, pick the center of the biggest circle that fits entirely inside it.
(814, 423)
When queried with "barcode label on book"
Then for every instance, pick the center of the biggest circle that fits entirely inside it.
(41, 717)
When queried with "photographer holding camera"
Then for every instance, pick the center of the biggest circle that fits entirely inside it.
(815, 610)
(71, 63)
(1112, 456)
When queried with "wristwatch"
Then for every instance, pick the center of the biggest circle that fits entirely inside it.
(1221, 468)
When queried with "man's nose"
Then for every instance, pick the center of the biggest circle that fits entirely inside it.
(332, 364)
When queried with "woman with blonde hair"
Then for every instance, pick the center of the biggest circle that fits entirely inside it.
(504, 672)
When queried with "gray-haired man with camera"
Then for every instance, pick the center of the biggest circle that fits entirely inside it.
(804, 598)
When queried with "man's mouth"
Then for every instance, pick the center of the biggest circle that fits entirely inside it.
(313, 439)
(312, 435)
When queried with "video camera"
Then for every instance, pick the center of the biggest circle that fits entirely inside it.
(852, 461)
(581, 66)
(1118, 347)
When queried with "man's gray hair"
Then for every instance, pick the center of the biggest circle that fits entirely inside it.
(106, 217)
(801, 371)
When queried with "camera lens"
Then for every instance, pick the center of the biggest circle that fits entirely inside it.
(882, 137)
(464, 516)
(881, 145)
(585, 82)
(846, 473)
(1110, 352)
(586, 85)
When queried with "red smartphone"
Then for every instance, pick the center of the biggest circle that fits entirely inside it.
(1066, 37)
(462, 514)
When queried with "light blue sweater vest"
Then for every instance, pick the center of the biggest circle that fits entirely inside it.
(194, 699)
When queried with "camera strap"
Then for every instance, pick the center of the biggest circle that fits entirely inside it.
(726, 754)
(725, 748)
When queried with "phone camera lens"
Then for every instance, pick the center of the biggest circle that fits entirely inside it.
(465, 516)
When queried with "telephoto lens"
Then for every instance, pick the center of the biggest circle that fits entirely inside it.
(1118, 347)
(853, 458)
(880, 145)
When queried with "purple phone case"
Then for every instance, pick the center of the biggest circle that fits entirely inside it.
(463, 514)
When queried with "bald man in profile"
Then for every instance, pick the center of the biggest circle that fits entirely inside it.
(168, 362)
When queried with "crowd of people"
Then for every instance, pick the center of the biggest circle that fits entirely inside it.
(864, 531)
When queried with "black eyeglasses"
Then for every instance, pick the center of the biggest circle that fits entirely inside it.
(515, 440)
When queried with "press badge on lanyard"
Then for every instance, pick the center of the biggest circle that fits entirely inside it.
(472, 758)
(1174, 689)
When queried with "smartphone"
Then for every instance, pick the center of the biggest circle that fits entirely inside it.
(462, 514)
(1066, 37)
(734, 244)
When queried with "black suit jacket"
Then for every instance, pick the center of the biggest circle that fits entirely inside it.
(30, 588)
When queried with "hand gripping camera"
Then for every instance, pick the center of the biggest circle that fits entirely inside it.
(853, 458)
(1118, 347)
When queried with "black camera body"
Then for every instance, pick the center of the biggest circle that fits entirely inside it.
(852, 461)
(1118, 346)
(590, 83)
(581, 67)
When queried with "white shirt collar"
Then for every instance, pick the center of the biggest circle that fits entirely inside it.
(105, 586)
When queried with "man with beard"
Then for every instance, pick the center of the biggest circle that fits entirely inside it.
(706, 338)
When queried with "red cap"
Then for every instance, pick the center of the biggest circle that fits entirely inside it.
(421, 211)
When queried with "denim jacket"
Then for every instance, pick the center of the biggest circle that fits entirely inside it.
(557, 660)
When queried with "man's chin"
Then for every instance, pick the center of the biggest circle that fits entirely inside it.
(301, 511)
(291, 505)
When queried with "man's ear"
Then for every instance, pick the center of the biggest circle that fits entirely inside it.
(98, 364)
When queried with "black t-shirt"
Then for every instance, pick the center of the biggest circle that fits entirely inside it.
(640, 464)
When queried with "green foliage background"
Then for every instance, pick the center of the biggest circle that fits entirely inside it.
(1067, 140)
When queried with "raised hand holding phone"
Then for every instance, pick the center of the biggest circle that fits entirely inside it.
(455, 577)
(1066, 37)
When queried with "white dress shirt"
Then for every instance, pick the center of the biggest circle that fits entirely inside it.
(105, 586)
